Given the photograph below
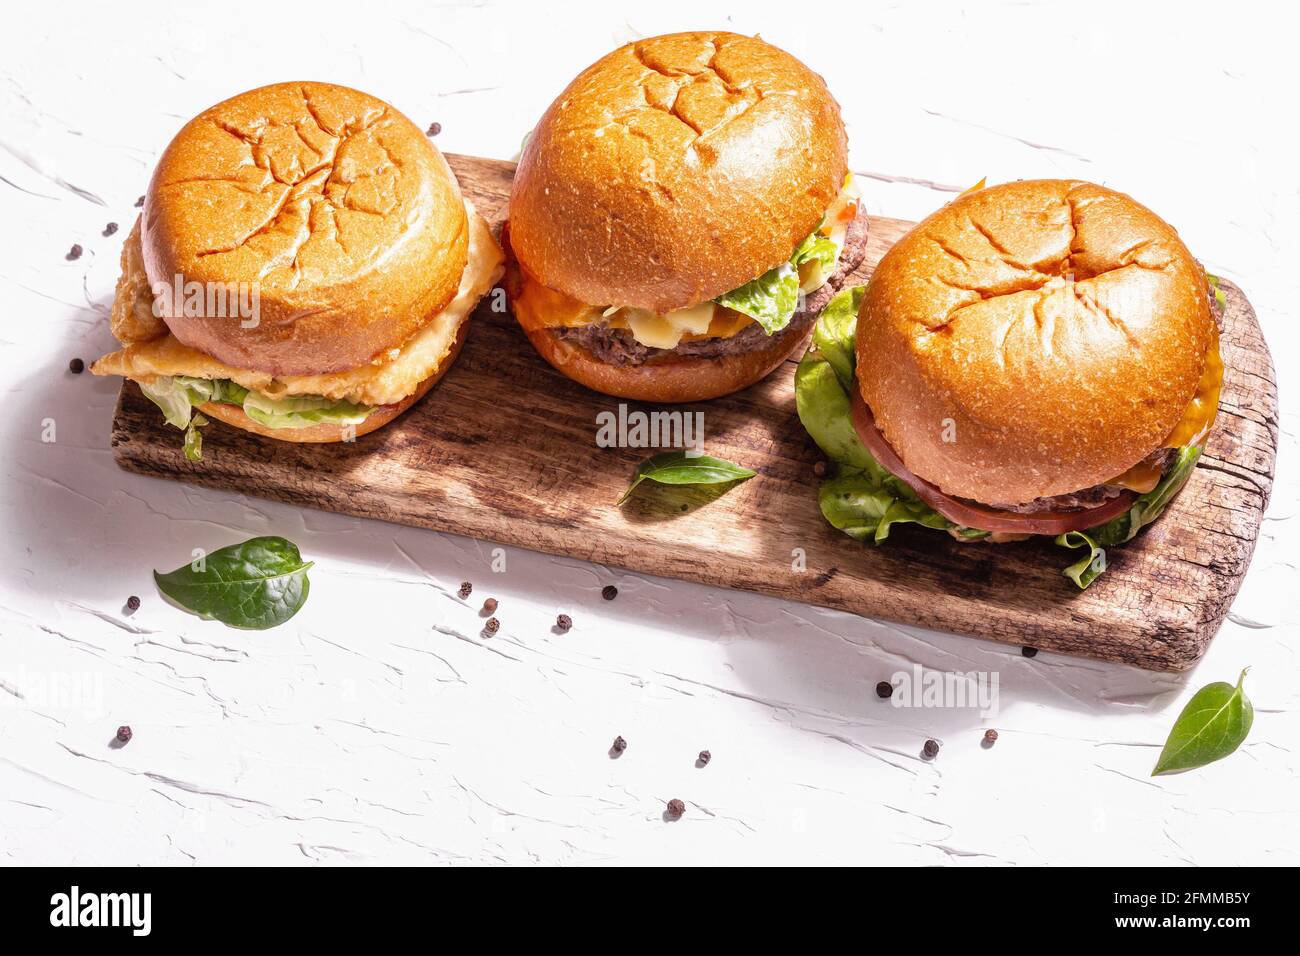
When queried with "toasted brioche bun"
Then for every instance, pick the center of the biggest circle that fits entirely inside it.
(676, 169)
(677, 380)
(235, 416)
(347, 219)
(1053, 331)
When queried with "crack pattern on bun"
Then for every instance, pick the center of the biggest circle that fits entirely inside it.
(321, 196)
(676, 169)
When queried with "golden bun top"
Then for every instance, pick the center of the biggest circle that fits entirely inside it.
(1032, 339)
(333, 203)
(674, 170)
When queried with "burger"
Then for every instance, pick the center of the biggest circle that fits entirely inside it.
(303, 268)
(1037, 358)
(679, 216)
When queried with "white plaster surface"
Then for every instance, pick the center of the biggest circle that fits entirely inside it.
(377, 726)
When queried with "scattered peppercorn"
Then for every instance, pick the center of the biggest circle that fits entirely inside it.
(124, 734)
(609, 592)
(490, 606)
(492, 625)
(133, 603)
(675, 808)
(618, 746)
(465, 589)
(564, 622)
(139, 203)
(703, 759)
(819, 469)
(76, 366)
(433, 130)
(931, 749)
(1029, 651)
(110, 229)
(884, 690)
(74, 253)
(990, 738)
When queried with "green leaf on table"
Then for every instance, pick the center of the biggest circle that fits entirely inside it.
(680, 468)
(1212, 725)
(254, 585)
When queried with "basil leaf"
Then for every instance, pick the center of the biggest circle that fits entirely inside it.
(254, 585)
(1212, 725)
(193, 446)
(677, 468)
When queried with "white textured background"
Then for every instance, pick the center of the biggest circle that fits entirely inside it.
(377, 726)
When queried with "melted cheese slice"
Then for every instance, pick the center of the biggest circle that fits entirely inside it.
(385, 380)
(537, 306)
(1196, 423)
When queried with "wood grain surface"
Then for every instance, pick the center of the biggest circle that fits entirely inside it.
(504, 449)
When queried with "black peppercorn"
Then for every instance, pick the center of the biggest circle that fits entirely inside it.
(675, 808)
(564, 622)
(139, 203)
(74, 253)
(490, 606)
(1029, 651)
(465, 589)
(492, 625)
(990, 738)
(433, 130)
(124, 734)
(884, 689)
(931, 749)
(133, 603)
(703, 759)
(76, 366)
(110, 229)
(618, 746)
(609, 592)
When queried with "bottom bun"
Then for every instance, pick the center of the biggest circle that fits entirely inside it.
(674, 380)
(381, 416)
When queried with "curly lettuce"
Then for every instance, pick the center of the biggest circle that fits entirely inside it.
(1146, 509)
(865, 501)
(179, 395)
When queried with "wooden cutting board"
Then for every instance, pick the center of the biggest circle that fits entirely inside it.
(504, 450)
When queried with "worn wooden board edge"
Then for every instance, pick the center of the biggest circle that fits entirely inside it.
(1243, 467)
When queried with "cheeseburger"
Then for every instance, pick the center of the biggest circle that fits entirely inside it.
(680, 215)
(1036, 358)
(303, 268)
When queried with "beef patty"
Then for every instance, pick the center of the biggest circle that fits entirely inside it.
(619, 347)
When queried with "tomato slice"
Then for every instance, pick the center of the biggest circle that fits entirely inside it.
(972, 515)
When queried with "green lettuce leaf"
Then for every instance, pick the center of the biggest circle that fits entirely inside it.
(172, 397)
(861, 498)
(1146, 509)
(179, 395)
(771, 299)
(193, 446)
(301, 411)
